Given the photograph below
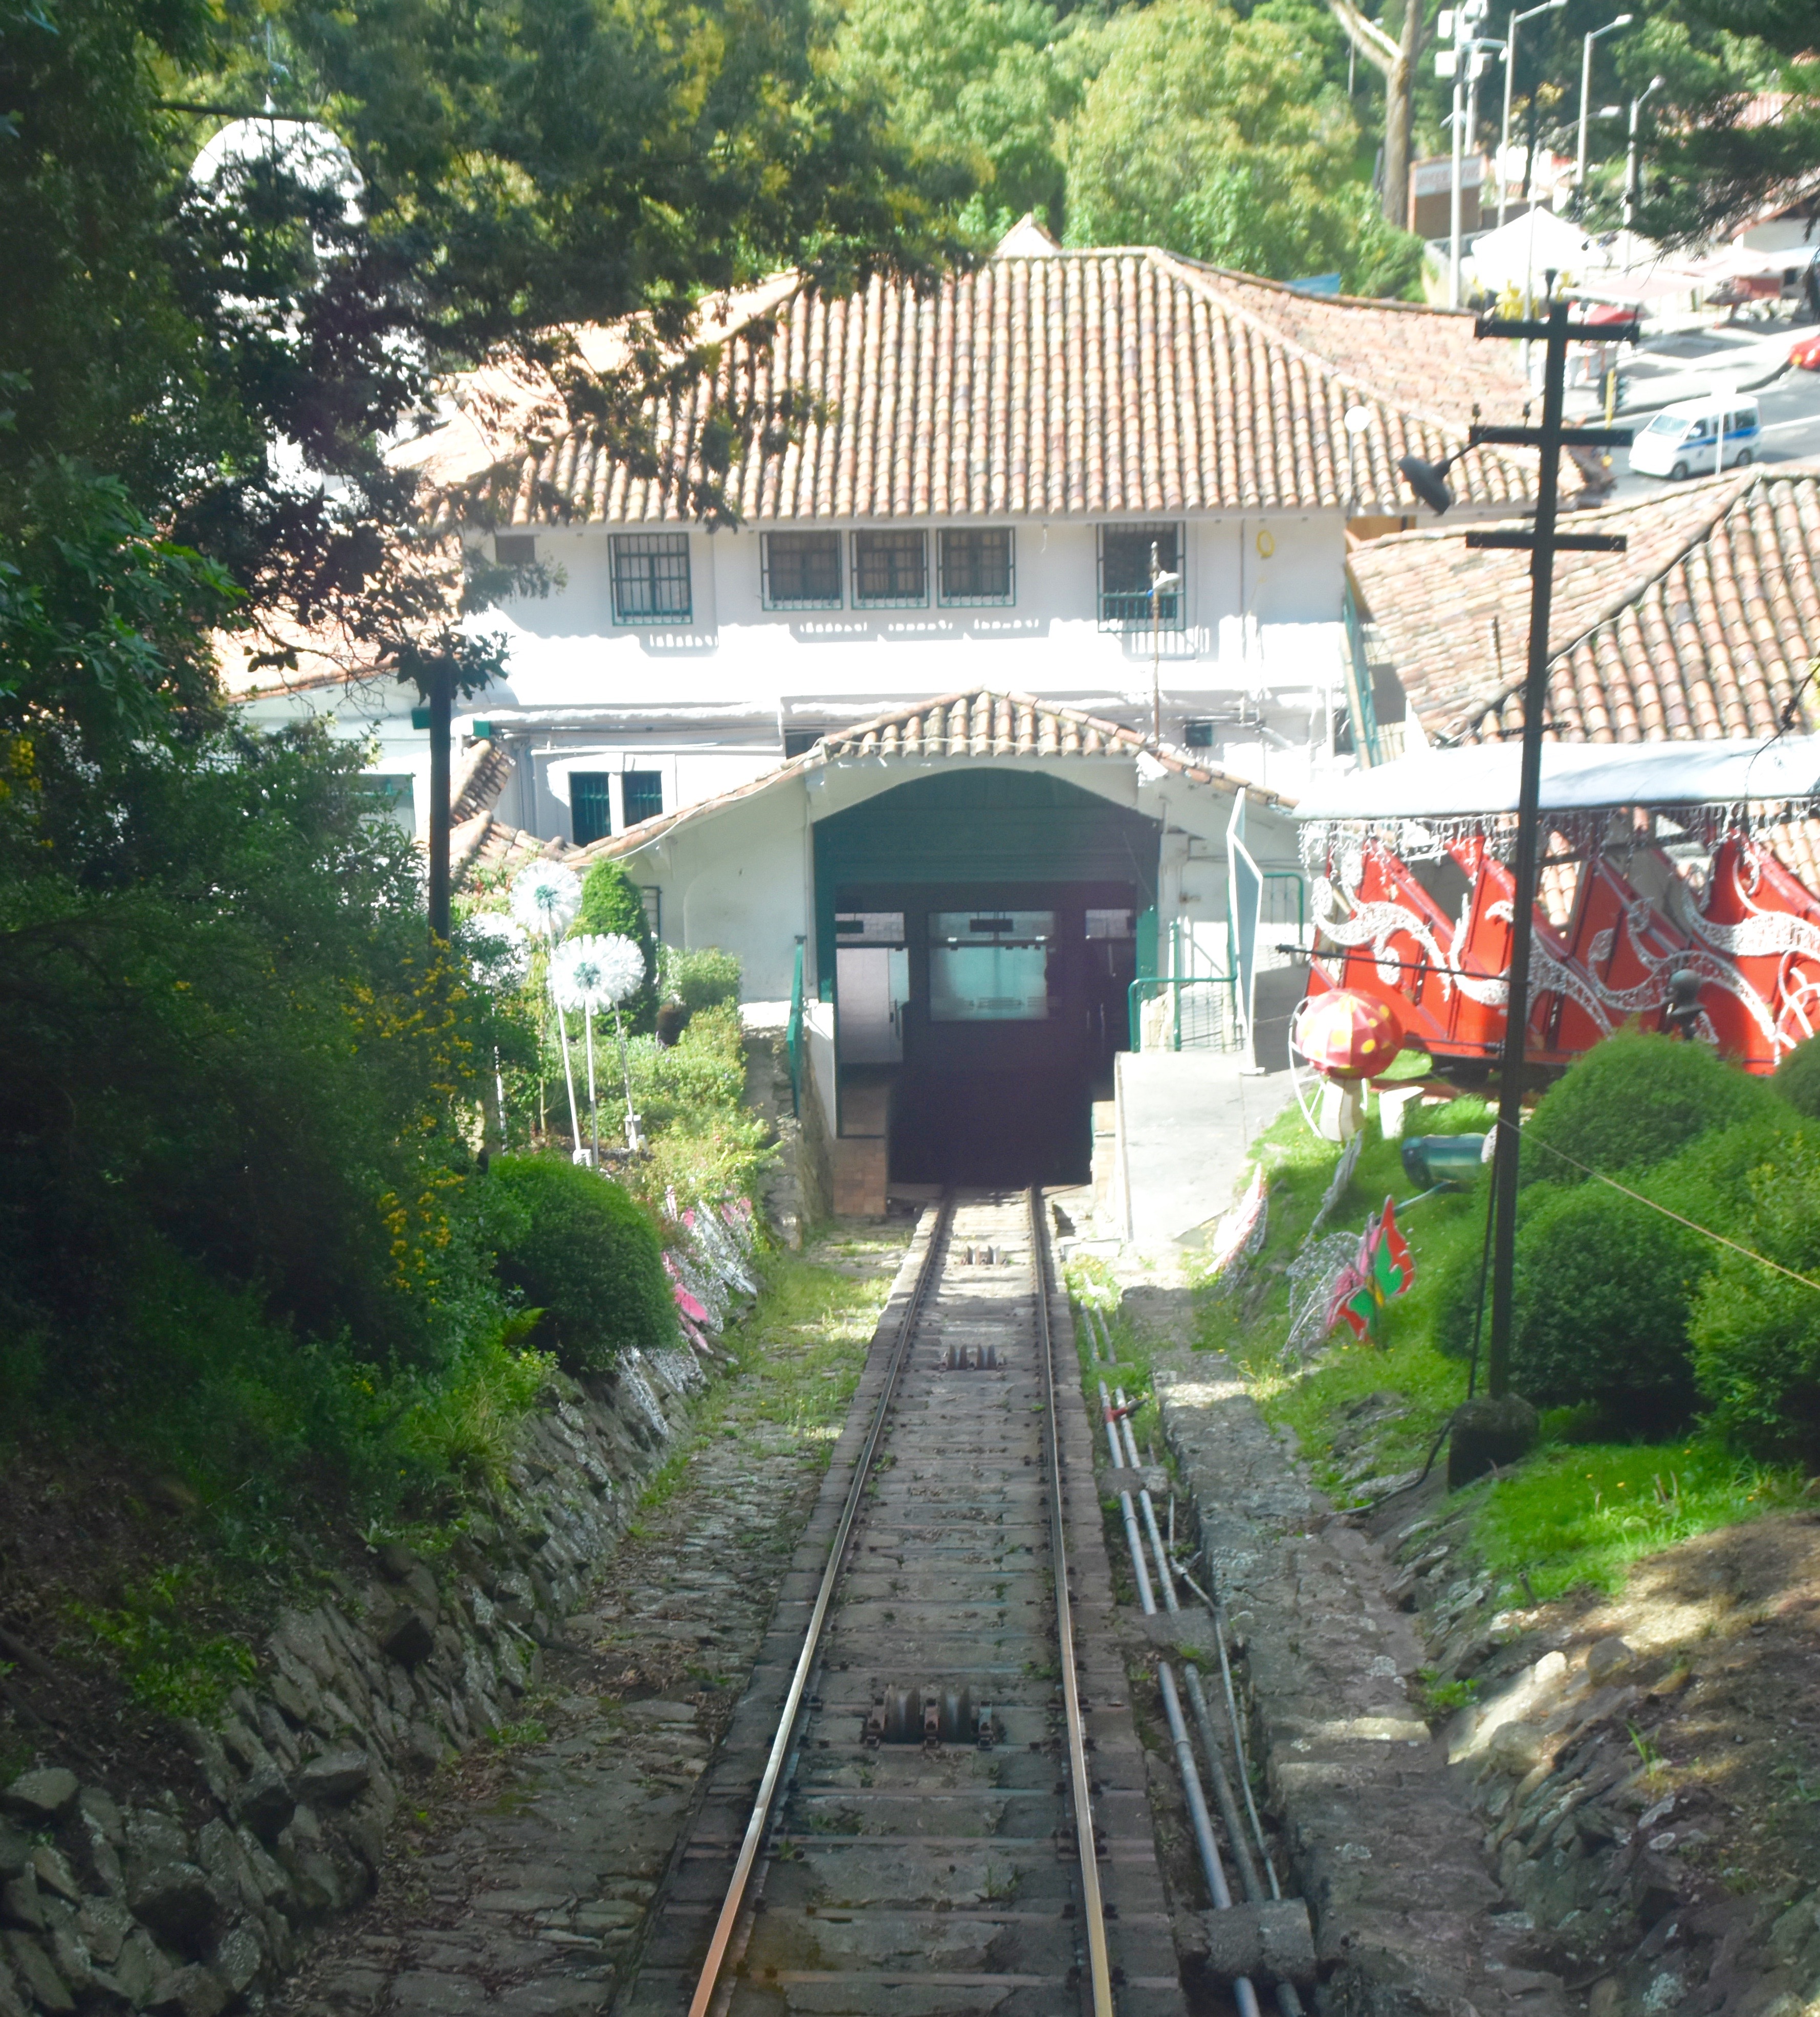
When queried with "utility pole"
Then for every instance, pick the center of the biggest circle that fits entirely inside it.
(1503, 1432)
(1463, 63)
(442, 699)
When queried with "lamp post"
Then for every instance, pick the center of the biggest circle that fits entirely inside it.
(1655, 84)
(1586, 56)
(1463, 62)
(1503, 1426)
(1503, 131)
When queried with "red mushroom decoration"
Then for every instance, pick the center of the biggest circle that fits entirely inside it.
(1344, 1035)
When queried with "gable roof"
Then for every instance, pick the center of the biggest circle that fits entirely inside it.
(980, 723)
(1046, 384)
(1704, 627)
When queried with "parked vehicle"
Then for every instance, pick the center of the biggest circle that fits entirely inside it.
(1684, 440)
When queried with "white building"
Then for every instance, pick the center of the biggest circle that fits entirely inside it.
(974, 499)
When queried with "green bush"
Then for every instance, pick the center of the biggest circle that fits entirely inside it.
(575, 1247)
(1756, 1333)
(1797, 1078)
(1633, 1101)
(705, 978)
(1603, 1291)
(611, 901)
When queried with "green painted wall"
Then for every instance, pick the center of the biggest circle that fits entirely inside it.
(971, 824)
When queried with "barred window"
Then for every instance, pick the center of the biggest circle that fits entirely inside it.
(650, 577)
(975, 562)
(643, 794)
(1126, 554)
(890, 570)
(802, 570)
(590, 805)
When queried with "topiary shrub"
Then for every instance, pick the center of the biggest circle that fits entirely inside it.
(575, 1247)
(706, 978)
(1604, 1291)
(1756, 1333)
(611, 901)
(1633, 1101)
(1797, 1078)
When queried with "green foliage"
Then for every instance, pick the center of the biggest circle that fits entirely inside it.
(1581, 1513)
(1216, 137)
(576, 1247)
(706, 978)
(978, 85)
(611, 903)
(1577, 1512)
(1632, 1101)
(705, 1141)
(1755, 1332)
(168, 1662)
(1603, 1291)
(1797, 1078)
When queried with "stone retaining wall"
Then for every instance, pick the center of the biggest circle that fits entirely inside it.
(111, 1907)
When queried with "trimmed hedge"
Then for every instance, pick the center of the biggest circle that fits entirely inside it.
(706, 978)
(575, 1247)
(1633, 1101)
(612, 902)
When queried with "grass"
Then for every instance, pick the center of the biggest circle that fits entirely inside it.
(1579, 1512)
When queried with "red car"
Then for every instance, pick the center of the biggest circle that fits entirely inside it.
(1806, 353)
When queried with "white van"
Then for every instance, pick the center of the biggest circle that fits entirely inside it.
(1684, 440)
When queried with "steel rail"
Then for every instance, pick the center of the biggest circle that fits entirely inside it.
(782, 1744)
(1098, 1964)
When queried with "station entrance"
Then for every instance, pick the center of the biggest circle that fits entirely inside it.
(978, 931)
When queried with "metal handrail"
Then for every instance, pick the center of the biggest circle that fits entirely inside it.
(1134, 1003)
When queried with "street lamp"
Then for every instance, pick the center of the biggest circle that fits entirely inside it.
(1463, 63)
(1655, 84)
(1503, 133)
(1610, 27)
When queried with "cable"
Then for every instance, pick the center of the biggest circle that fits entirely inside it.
(1693, 1225)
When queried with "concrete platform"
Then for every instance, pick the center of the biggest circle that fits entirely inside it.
(1184, 1121)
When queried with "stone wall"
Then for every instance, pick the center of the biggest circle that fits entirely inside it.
(107, 1906)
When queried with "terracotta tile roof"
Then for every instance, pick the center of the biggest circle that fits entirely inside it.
(479, 779)
(1057, 384)
(980, 723)
(1703, 627)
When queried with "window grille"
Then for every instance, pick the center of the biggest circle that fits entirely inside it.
(515, 549)
(1124, 576)
(975, 565)
(890, 570)
(590, 805)
(650, 577)
(802, 570)
(643, 794)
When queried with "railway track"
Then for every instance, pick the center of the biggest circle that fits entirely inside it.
(932, 1800)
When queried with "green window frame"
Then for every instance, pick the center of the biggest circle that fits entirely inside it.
(975, 566)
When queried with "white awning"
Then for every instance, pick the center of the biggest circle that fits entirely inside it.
(1453, 784)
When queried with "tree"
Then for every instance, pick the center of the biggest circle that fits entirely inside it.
(1216, 136)
(978, 85)
(1395, 60)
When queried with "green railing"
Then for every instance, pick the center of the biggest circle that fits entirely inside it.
(793, 1036)
(1147, 986)
(1367, 740)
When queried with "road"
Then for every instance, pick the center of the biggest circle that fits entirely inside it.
(1790, 405)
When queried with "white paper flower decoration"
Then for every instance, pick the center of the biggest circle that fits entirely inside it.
(545, 899)
(498, 953)
(593, 972)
